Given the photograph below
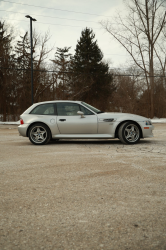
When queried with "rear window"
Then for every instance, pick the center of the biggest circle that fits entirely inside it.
(44, 109)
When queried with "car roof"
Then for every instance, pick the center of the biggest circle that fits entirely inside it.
(56, 101)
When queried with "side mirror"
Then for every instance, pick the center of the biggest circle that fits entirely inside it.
(81, 114)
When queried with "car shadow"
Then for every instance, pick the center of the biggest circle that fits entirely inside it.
(93, 141)
(85, 141)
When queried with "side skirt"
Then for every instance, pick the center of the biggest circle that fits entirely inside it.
(83, 136)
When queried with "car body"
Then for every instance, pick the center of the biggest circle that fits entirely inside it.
(78, 120)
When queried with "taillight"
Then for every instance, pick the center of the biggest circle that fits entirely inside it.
(21, 121)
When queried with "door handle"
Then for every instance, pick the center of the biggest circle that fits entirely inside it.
(62, 120)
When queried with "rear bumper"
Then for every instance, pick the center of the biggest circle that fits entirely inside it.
(22, 129)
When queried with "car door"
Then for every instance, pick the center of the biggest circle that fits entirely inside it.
(69, 122)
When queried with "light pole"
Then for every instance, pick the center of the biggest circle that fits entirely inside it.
(31, 19)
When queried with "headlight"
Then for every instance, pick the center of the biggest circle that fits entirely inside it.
(148, 123)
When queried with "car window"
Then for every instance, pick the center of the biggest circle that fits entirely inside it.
(86, 111)
(67, 108)
(44, 109)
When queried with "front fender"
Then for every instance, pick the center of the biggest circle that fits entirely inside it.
(121, 121)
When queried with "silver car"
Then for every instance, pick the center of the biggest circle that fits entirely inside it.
(78, 120)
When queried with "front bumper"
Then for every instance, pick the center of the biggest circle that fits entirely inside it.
(22, 129)
(147, 131)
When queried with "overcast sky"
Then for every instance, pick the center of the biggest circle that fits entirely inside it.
(56, 15)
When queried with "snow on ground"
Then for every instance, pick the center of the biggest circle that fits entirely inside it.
(10, 123)
(158, 120)
(154, 120)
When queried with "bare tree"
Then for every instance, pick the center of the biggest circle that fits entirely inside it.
(139, 33)
(160, 51)
(128, 91)
(42, 80)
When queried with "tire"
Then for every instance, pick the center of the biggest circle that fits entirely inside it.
(39, 134)
(129, 133)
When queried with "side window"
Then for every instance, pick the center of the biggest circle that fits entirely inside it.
(86, 111)
(44, 109)
(67, 108)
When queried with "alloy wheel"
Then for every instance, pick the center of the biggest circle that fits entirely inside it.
(38, 134)
(131, 133)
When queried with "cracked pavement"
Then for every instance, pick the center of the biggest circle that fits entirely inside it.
(82, 194)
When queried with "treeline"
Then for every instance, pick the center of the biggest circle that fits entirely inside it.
(83, 76)
(63, 76)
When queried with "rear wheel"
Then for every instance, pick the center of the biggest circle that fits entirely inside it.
(39, 134)
(129, 133)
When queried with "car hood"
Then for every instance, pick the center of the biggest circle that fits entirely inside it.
(121, 116)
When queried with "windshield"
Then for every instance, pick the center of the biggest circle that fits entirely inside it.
(92, 108)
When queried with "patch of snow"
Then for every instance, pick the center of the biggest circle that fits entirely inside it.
(10, 123)
(158, 120)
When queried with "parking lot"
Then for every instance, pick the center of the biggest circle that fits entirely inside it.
(82, 194)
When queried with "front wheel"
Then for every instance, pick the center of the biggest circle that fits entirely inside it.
(39, 134)
(129, 133)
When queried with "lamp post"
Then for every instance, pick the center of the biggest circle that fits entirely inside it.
(31, 19)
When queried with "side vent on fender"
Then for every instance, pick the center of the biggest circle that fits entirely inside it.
(108, 120)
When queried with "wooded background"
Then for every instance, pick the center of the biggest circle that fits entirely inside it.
(86, 76)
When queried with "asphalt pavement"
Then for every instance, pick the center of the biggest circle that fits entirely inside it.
(82, 194)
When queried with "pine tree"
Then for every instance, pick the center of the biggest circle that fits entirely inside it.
(23, 62)
(61, 64)
(90, 80)
(7, 87)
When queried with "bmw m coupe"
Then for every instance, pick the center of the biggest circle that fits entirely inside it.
(78, 120)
